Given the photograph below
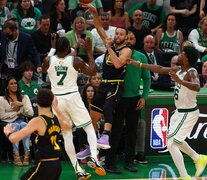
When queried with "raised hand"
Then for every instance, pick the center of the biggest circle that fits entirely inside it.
(53, 40)
(174, 76)
(108, 42)
(89, 7)
(88, 44)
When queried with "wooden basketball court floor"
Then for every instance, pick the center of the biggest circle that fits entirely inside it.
(159, 167)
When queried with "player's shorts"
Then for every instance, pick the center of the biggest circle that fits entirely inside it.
(44, 170)
(182, 123)
(107, 92)
(74, 109)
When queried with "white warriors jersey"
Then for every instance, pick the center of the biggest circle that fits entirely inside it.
(184, 97)
(62, 75)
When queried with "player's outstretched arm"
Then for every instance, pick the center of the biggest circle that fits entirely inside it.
(96, 20)
(16, 136)
(154, 68)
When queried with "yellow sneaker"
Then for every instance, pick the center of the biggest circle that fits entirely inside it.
(200, 165)
(185, 178)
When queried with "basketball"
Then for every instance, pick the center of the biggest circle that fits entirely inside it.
(86, 1)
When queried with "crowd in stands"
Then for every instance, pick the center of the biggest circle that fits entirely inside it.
(26, 30)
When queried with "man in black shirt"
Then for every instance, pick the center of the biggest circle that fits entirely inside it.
(139, 30)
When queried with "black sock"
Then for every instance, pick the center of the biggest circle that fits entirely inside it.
(106, 132)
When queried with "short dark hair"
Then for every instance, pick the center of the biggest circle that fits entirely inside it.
(44, 16)
(10, 24)
(62, 44)
(192, 55)
(123, 28)
(45, 97)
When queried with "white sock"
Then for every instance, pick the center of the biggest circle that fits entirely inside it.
(177, 157)
(184, 147)
(70, 149)
(92, 140)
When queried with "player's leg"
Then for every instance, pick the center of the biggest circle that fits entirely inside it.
(176, 123)
(184, 147)
(92, 140)
(199, 160)
(177, 157)
(82, 119)
(68, 106)
(70, 150)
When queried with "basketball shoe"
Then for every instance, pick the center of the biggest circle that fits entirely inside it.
(95, 165)
(200, 165)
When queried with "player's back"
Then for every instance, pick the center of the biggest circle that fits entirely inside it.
(47, 145)
(184, 97)
(62, 75)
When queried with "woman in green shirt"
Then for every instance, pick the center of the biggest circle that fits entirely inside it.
(77, 35)
(28, 16)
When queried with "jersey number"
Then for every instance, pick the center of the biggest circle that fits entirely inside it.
(176, 94)
(53, 140)
(63, 75)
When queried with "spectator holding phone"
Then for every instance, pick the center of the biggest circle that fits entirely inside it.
(78, 34)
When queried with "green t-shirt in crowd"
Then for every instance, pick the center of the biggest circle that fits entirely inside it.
(31, 90)
(73, 40)
(27, 24)
(133, 77)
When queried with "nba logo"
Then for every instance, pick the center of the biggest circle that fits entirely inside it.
(157, 173)
(159, 125)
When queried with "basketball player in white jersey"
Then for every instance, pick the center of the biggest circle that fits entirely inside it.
(186, 114)
(63, 70)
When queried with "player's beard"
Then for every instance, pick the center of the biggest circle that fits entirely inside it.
(130, 45)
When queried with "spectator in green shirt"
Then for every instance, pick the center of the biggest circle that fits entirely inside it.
(26, 84)
(27, 16)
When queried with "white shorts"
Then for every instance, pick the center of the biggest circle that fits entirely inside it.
(73, 107)
(181, 125)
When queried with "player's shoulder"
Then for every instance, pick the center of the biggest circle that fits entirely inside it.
(125, 49)
(78, 62)
(192, 71)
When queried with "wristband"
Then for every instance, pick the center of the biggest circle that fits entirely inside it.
(52, 52)
(140, 65)
(9, 134)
